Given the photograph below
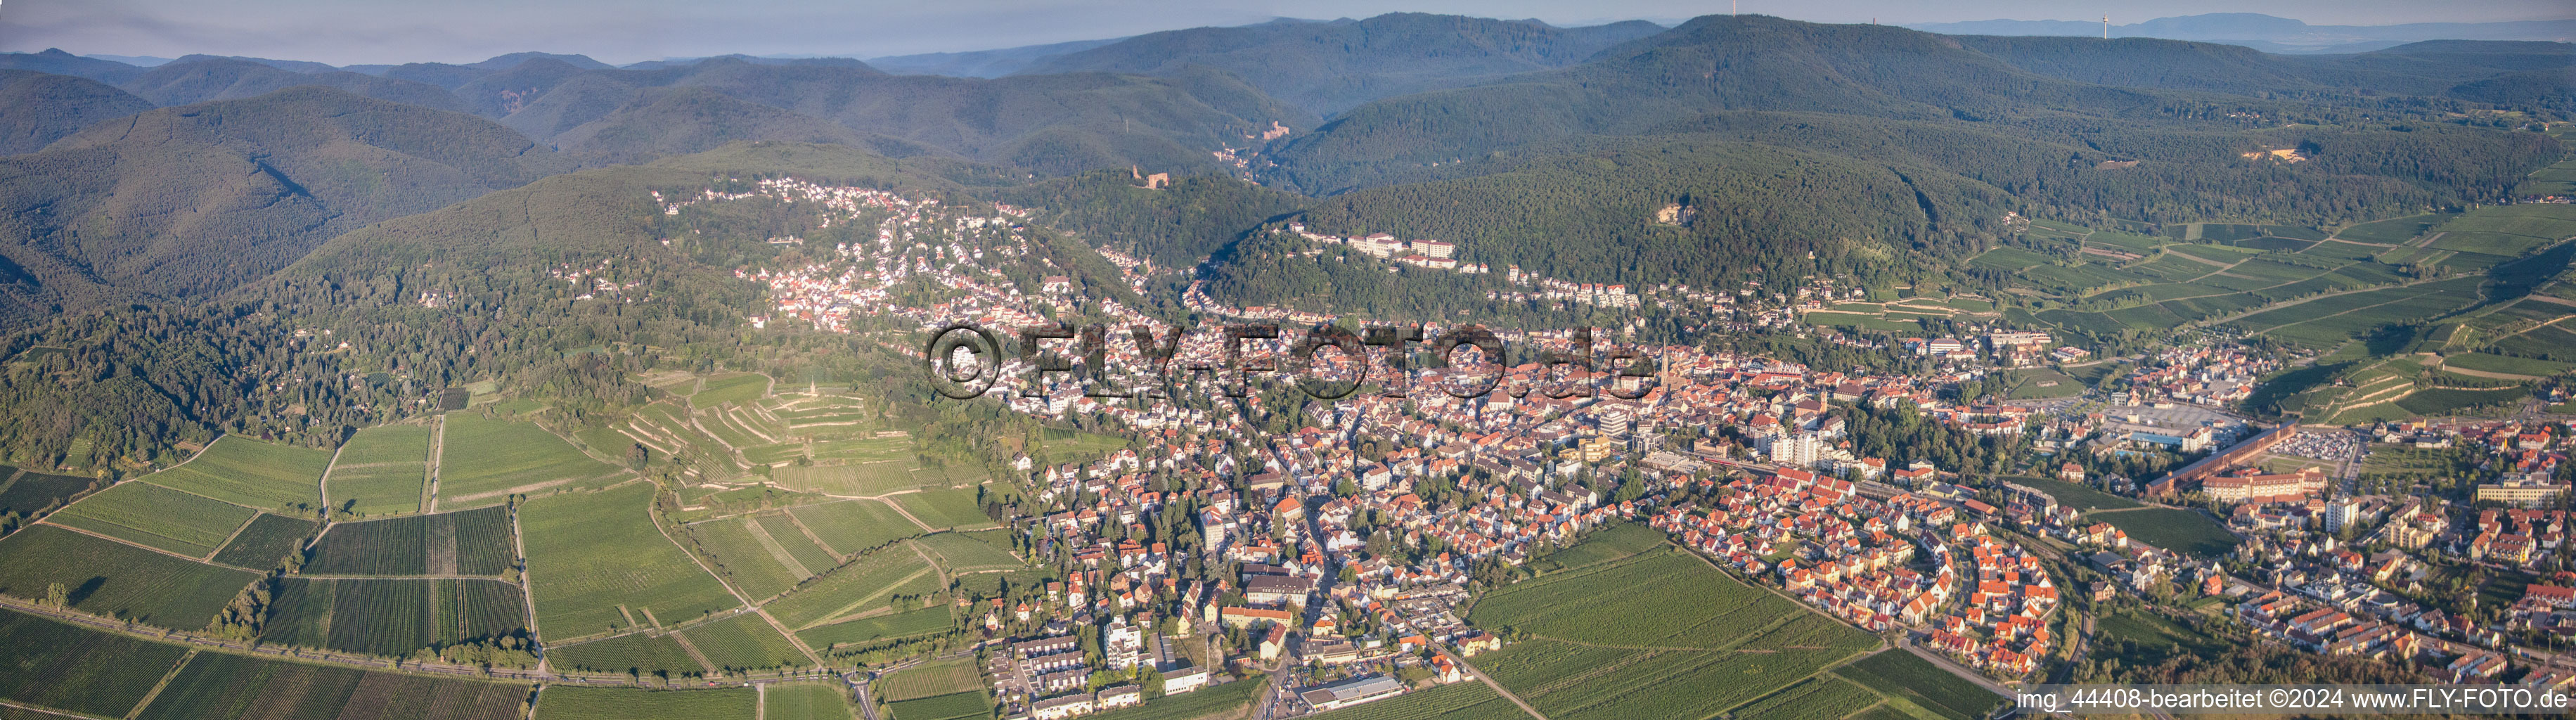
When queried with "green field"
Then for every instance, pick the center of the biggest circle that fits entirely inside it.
(744, 642)
(1899, 673)
(931, 679)
(792, 538)
(380, 471)
(805, 701)
(1731, 644)
(863, 585)
(643, 652)
(866, 479)
(968, 552)
(248, 472)
(484, 460)
(869, 630)
(267, 541)
(2140, 639)
(64, 666)
(112, 578)
(29, 493)
(2508, 365)
(1461, 701)
(391, 616)
(1616, 542)
(563, 702)
(1822, 696)
(591, 553)
(2183, 531)
(219, 686)
(755, 562)
(730, 387)
(467, 542)
(945, 508)
(154, 516)
(959, 706)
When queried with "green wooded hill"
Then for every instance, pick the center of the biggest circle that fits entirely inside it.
(2508, 73)
(187, 201)
(38, 108)
(1721, 63)
(1175, 227)
(1327, 67)
(208, 79)
(659, 122)
(54, 60)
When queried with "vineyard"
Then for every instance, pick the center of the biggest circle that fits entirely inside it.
(115, 579)
(1903, 674)
(931, 679)
(596, 563)
(219, 686)
(1229, 701)
(59, 665)
(1657, 632)
(154, 516)
(588, 703)
(805, 701)
(1461, 701)
(945, 508)
(743, 642)
(483, 460)
(251, 473)
(32, 492)
(862, 585)
(854, 526)
(468, 542)
(380, 471)
(969, 552)
(267, 540)
(391, 617)
(1815, 697)
(643, 652)
(958, 706)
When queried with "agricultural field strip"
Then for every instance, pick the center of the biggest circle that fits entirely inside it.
(727, 583)
(139, 545)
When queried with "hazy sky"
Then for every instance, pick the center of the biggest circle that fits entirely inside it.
(345, 32)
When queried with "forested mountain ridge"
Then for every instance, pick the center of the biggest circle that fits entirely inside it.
(38, 108)
(1328, 67)
(2461, 69)
(185, 201)
(196, 81)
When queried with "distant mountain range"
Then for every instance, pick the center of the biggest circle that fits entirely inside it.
(2272, 34)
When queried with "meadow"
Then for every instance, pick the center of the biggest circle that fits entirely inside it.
(592, 553)
(380, 471)
(389, 616)
(64, 666)
(466, 542)
(563, 702)
(251, 473)
(158, 517)
(222, 686)
(266, 542)
(483, 460)
(2080, 497)
(106, 577)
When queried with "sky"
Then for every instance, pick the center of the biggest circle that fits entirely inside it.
(344, 32)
